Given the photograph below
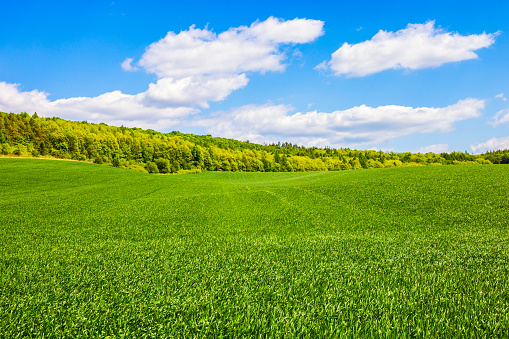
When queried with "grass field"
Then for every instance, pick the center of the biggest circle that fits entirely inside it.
(89, 250)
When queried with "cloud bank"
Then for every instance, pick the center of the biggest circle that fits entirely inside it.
(415, 47)
(493, 144)
(357, 126)
(114, 108)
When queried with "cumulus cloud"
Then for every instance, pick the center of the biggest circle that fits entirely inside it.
(415, 47)
(493, 144)
(357, 126)
(437, 148)
(191, 91)
(113, 107)
(197, 65)
(167, 99)
(502, 117)
(241, 49)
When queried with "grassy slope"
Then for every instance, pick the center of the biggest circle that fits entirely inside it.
(95, 250)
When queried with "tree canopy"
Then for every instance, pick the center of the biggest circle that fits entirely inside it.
(155, 152)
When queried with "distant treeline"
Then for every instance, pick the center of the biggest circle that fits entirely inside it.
(155, 152)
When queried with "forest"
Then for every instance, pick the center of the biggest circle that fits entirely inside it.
(155, 152)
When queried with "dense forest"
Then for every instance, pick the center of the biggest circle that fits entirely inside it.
(175, 152)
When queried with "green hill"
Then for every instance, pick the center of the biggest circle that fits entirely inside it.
(154, 152)
(89, 250)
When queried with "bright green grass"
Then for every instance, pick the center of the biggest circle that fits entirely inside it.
(88, 250)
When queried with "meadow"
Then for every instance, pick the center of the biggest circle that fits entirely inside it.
(95, 251)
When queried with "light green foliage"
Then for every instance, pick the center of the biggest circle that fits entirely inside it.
(88, 250)
(27, 136)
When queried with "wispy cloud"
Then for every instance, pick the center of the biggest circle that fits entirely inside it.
(501, 96)
(415, 47)
(127, 65)
(502, 117)
(361, 125)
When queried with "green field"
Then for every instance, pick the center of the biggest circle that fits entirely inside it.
(90, 250)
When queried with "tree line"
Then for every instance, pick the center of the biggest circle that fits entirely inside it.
(175, 152)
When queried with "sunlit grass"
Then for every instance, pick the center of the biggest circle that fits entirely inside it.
(88, 250)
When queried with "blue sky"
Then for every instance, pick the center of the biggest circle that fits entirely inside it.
(396, 76)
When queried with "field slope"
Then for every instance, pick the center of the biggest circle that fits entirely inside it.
(89, 250)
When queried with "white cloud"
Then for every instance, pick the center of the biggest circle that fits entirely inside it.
(415, 47)
(501, 96)
(197, 66)
(297, 54)
(437, 148)
(127, 65)
(112, 107)
(191, 91)
(493, 144)
(241, 49)
(361, 125)
(502, 117)
(322, 66)
(168, 98)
